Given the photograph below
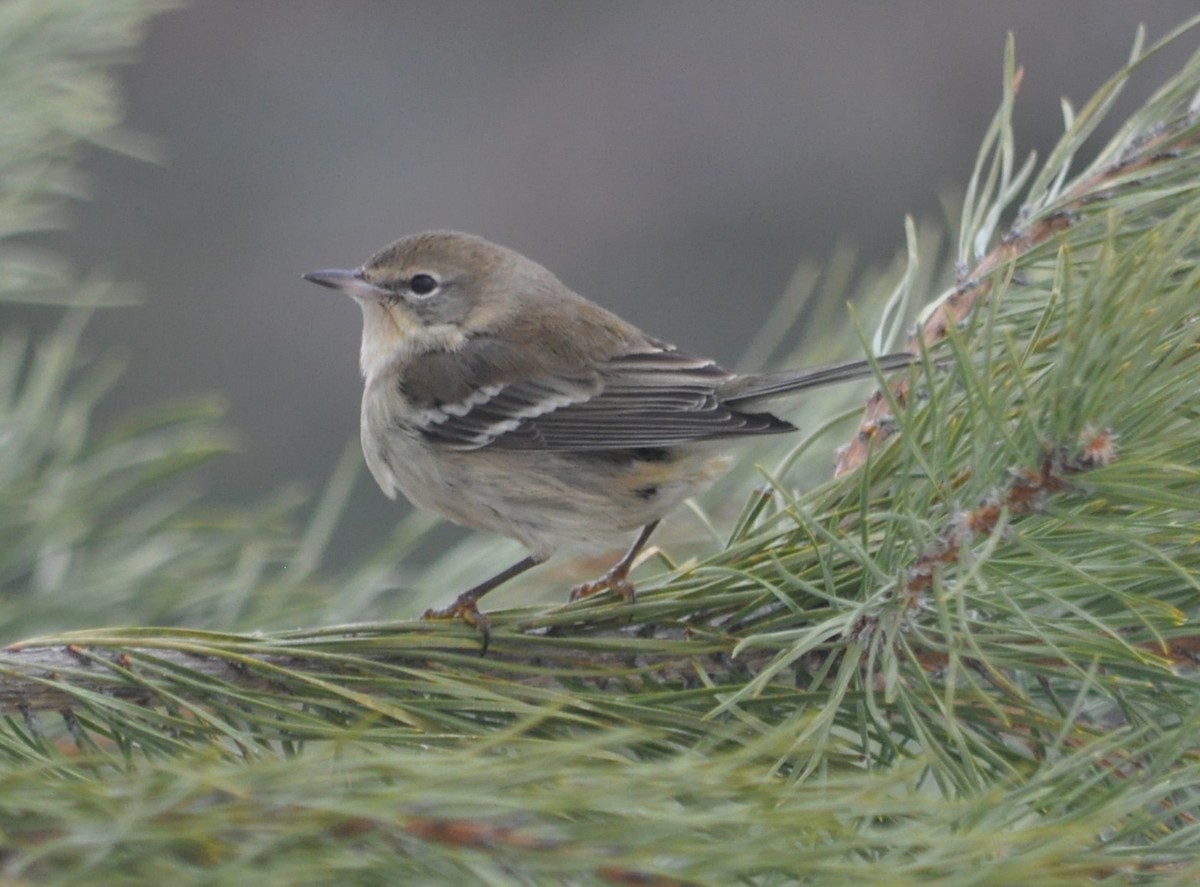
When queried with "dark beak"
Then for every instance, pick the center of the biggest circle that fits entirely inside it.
(351, 283)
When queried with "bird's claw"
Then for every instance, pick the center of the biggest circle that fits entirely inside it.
(468, 611)
(615, 580)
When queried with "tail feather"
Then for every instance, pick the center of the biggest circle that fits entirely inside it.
(744, 390)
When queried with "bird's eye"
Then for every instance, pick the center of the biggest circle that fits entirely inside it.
(422, 284)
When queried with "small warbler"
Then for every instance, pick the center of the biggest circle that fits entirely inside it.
(502, 400)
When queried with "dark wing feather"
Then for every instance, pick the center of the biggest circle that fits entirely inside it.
(657, 398)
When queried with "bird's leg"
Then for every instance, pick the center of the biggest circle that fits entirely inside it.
(466, 605)
(617, 578)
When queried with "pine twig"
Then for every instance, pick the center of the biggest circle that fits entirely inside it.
(1147, 154)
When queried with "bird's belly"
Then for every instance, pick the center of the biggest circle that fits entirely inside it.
(543, 499)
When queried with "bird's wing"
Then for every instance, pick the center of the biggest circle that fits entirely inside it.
(656, 397)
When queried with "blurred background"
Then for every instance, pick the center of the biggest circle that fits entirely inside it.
(674, 161)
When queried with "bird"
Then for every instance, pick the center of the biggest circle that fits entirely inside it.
(499, 398)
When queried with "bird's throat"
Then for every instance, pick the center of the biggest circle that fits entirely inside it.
(392, 334)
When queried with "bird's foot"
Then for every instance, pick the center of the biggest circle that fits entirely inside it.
(615, 580)
(468, 611)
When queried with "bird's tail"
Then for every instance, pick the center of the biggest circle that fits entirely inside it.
(743, 391)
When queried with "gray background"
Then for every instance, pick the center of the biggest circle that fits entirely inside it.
(673, 160)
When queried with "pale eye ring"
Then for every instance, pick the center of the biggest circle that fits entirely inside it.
(423, 284)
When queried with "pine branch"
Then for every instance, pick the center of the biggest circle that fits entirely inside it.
(142, 665)
(1154, 150)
